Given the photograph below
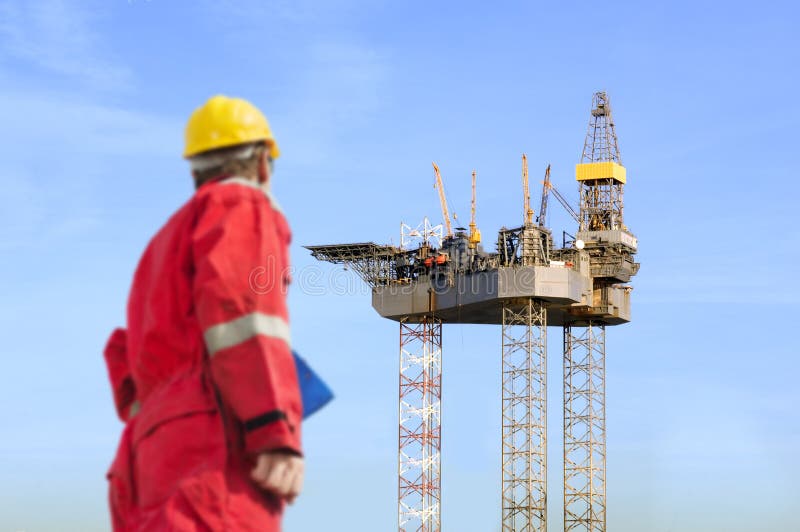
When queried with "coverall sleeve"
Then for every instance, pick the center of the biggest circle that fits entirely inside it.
(119, 373)
(245, 323)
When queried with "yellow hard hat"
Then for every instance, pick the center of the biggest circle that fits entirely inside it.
(223, 122)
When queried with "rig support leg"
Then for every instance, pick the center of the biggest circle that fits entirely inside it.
(419, 463)
(524, 402)
(585, 427)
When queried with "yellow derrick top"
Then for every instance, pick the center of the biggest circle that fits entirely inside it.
(603, 170)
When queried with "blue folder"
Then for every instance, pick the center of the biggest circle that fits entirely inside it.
(314, 391)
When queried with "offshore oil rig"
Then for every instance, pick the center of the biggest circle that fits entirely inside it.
(527, 283)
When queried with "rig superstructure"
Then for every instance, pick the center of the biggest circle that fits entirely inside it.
(438, 276)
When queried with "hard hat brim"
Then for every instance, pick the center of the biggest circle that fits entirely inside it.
(272, 146)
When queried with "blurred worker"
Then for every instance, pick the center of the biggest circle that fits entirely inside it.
(204, 374)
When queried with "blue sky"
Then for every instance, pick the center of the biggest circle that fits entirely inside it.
(702, 386)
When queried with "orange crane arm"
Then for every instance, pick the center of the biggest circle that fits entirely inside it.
(443, 201)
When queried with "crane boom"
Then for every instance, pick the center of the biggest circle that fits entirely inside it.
(526, 194)
(562, 200)
(474, 232)
(443, 200)
(545, 194)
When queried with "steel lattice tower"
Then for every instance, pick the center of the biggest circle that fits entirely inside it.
(601, 181)
(524, 399)
(585, 428)
(419, 463)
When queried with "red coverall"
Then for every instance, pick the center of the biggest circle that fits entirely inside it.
(204, 374)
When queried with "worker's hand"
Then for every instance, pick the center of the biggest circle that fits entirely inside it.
(280, 473)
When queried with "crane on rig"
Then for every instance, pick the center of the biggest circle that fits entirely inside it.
(526, 193)
(548, 187)
(545, 193)
(443, 200)
(474, 232)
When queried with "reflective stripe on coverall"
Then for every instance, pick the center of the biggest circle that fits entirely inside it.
(207, 361)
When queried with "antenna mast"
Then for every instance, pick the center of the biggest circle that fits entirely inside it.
(474, 232)
(526, 194)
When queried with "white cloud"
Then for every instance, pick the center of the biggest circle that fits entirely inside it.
(716, 278)
(24, 211)
(69, 125)
(58, 37)
(262, 14)
(341, 89)
(65, 140)
(336, 81)
(57, 155)
(341, 84)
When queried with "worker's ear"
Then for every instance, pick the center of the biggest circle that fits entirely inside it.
(264, 170)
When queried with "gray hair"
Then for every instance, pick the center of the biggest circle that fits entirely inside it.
(218, 158)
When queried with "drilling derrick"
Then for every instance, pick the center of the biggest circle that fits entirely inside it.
(601, 174)
(608, 247)
(440, 275)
